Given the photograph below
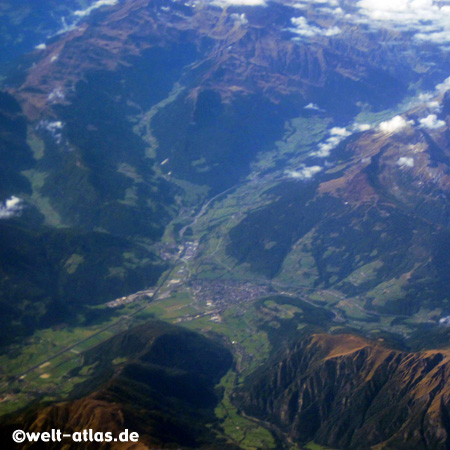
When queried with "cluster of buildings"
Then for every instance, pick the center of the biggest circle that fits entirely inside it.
(226, 292)
(190, 250)
(171, 252)
(131, 298)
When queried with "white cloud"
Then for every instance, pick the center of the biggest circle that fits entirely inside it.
(95, 5)
(405, 161)
(338, 131)
(337, 136)
(223, 3)
(54, 128)
(334, 11)
(304, 29)
(431, 122)
(312, 106)
(324, 149)
(300, 4)
(383, 8)
(428, 19)
(247, 2)
(428, 99)
(56, 94)
(70, 23)
(434, 105)
(10, 208)
(41, 46)
(240, 19)
(305, 173)
(359, 127)
(445, 320)
(444, 86)
(437, 37)
(67, 27)
(425, 96)
(394, 125)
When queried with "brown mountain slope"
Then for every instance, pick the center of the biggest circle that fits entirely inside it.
(350, 393)
(235, 56)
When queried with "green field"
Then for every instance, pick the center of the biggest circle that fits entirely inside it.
(237, 429)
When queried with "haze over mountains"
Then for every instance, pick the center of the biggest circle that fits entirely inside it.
(301, 147)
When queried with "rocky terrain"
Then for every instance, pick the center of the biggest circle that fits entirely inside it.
(346, 392)
(302, 146)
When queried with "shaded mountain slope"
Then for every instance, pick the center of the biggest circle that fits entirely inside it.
(164, 391)
(47, 257)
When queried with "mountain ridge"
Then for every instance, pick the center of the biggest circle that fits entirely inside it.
(340, 391)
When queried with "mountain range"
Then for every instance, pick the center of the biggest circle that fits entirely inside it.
(225, 152)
